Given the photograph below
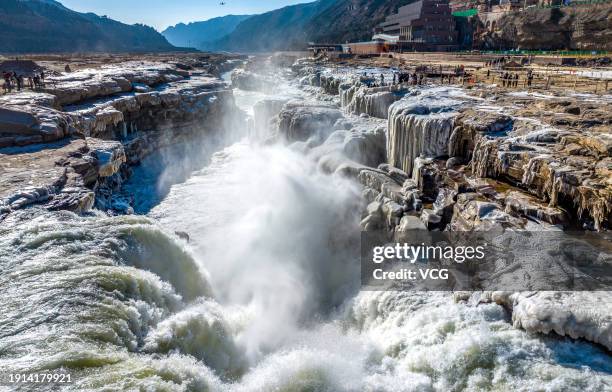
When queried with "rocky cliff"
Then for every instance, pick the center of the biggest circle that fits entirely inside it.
(71, 144)
(485, 161)
(581, 27)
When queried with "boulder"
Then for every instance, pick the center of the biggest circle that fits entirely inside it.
(430, 219)
(409, 223)
(109, 155)
(444, 203)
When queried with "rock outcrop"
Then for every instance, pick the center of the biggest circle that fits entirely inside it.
(580, 27)
(371, 101)
(111, 102)
(300, 121)
(567, 169)
(66, 147)
(60, 175)
(30, 118)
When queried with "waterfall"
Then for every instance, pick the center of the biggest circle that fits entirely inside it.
(244, 273)
(264, 113)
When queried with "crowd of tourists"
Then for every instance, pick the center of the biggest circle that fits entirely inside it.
(511, 79)
(13, 80)
(396, 78)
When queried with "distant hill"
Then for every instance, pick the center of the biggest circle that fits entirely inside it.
(200, 34)
(47, 26)
(350, 20)
(284, 28)
(330, 21)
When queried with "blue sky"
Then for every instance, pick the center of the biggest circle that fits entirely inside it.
(163, 13)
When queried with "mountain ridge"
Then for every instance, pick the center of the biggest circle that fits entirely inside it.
(292, 27)
(200, 34)
(280, 29)
(43, 26)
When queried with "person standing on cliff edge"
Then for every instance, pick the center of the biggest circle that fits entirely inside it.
(19, 81)
(7, 82)
(529, 78)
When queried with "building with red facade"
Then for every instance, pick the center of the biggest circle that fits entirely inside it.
(376, 46)
(422, 25)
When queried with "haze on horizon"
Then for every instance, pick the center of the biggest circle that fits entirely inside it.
(161, 14)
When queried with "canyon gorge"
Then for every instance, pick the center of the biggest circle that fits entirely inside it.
(193, 223)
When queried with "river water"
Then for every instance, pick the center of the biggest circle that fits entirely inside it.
(264, 296)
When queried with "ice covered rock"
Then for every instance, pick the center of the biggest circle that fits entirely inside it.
(470, 126)
(374, 217)
(350, 150)
(578, 183)
(109, 155)
(330, 84)
(111, 79)
(470, 212)
(409, 223)
(372, 101)
(382, 184)
(444, 203)
(430, 219)
(178, 104)
(576, 314)
(417, 130)
(299, 121)
(60, 175)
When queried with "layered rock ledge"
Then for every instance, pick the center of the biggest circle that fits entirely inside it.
(483, 160)
(75, 139)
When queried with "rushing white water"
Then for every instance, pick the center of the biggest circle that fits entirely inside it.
(264, 297)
